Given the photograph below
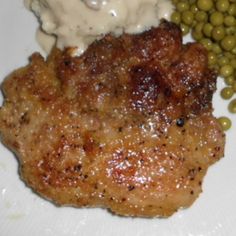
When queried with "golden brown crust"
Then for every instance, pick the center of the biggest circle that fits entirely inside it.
(126, 126)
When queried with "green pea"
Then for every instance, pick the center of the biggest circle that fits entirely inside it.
(229, 20)
(216, 48)
(229, 80)
(223, 60)
(176, 17)
(218, 33)
(232, 106)
(227, 93)
(194, 23)
(232, 9)
(234, 50)
(228, 42)
(201, 16)
(225, 123)
(233, 63)
(199, 27)
(229, 55)
(222, 5)
(234, 85)
(207, 29)
(205, 5)
(194, 8)
(207, 43)
(197, 35)
(230, 30)
(226, 70)
(187, 17)
(197, 31)
(216, 18)
(184, 28)
(212, 58)
(182, 6)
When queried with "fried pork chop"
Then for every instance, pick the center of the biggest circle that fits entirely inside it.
(127, 126)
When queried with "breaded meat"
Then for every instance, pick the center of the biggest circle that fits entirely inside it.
(127, 126)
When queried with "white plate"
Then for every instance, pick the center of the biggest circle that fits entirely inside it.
(23, 213)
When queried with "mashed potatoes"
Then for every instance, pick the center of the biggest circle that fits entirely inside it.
(77, 23)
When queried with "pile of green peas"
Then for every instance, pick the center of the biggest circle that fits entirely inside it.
(213, 23)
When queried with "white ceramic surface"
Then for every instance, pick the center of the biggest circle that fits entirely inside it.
(23, 213)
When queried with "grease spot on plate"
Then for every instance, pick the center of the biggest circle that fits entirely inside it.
(2, 166)
(7, 204)
(15, 216)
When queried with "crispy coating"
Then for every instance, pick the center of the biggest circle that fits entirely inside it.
(127, 126)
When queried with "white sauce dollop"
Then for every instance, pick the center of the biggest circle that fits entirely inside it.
(77, 23)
